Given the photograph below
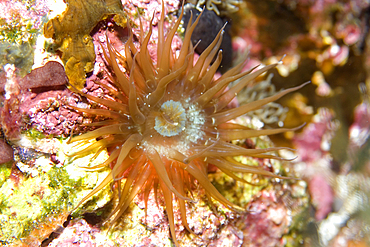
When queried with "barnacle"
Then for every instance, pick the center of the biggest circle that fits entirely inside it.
(170, 120)
(72, 35)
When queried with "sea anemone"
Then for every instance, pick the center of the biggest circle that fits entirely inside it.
(169, 120)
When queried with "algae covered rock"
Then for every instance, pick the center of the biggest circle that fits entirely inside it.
(38, 191)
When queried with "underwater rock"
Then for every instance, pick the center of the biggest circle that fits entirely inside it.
(36, 101)
(14, 111)
(322, 196)
(38, 201)
(266, 221)
(47, 113)
(313, 146)
(11, 118)
(205, 32)
(20, 23)
(6, 152)
(51, 76)
(21, 55)
(82, 234)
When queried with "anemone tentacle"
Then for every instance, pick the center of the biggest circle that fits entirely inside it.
(169, 121)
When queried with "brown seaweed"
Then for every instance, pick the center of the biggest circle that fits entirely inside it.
(71, 33)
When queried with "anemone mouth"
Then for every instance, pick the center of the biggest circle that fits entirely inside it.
(169, 120)
(172, 120)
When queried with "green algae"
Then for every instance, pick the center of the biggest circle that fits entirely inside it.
(237, 192)
(17, 29)
(21, 55)
(5, 170)
(46, 190)
(34, 134)
(18, 35)
(32, 200)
